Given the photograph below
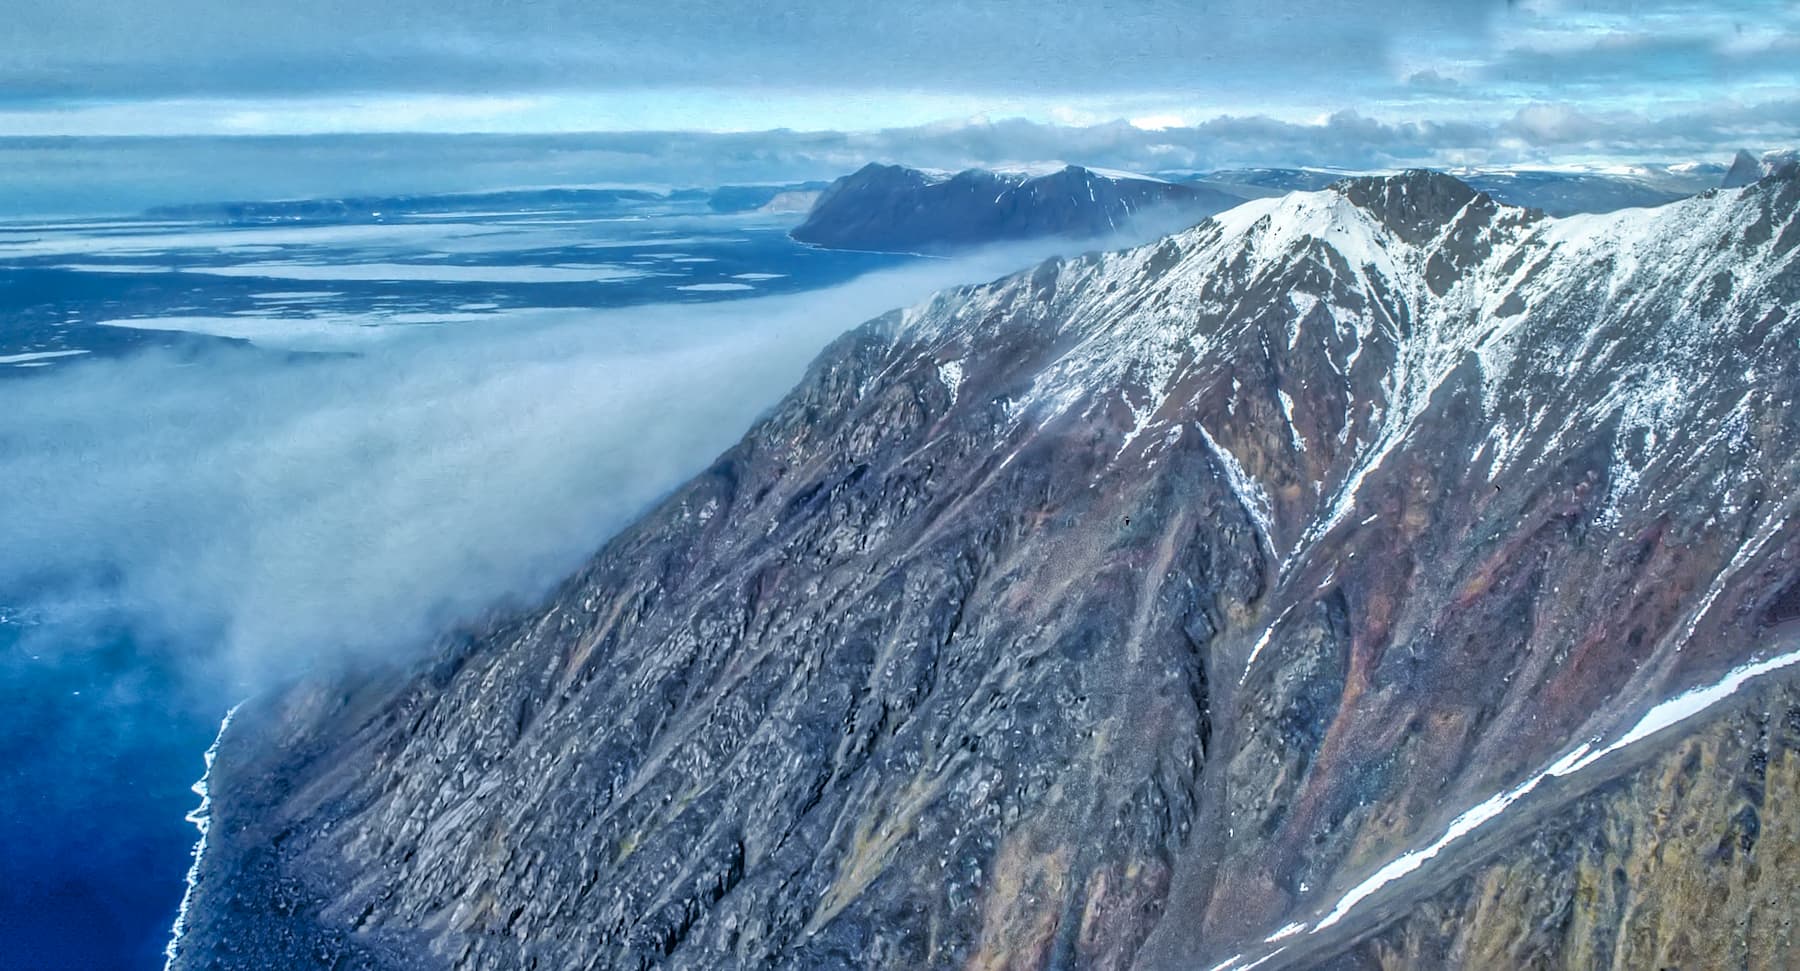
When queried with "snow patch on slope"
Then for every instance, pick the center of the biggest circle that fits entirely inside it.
(1250, 493)
(1663, 716)
(951, 374)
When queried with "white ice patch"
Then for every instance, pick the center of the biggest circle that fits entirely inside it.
(443, 237)
(714, 287)
(110, 268)
(36, 356)
(1285, 932)
(1287, 409)
(426, 272)
(1250, 493)
(951, 373)
(1262, 642)
(1142, 415)
(1303, 307)
(1237, 963)
(332, 332)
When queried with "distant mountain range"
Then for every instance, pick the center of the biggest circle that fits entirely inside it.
(896, 208)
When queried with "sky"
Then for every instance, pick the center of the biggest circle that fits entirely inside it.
(809, 89)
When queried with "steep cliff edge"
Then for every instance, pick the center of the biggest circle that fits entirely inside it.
(1252, 598)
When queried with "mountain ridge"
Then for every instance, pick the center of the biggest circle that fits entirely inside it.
(1140, 585)
(898, 208)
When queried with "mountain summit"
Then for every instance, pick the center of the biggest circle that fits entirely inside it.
(1369, 577)
(1747, 168)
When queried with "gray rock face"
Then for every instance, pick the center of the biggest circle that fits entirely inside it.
(1747, 168)
(1248, 597)
(890, 207)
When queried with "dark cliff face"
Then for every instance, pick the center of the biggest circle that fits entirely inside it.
(890, 207)
(1321, 586)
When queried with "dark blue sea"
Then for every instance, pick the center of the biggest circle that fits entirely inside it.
(111, 286)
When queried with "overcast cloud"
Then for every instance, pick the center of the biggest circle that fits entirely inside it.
(122, 175)
(310, 66)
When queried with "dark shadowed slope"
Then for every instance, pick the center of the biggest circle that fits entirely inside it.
(1747, 168)
(1320, 586)
(894, 208)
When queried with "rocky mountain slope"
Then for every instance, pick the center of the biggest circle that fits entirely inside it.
(1377, 577)
(894, 208)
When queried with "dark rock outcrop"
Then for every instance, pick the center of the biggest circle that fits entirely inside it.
(1321, 586)
(894, 208)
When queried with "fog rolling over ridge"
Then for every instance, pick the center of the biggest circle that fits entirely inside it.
(1378, 576)
(266, 515)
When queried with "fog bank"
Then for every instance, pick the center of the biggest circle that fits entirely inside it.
(266, 515)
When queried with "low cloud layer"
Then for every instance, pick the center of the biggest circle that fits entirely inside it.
(263, 516)
(51, 175)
